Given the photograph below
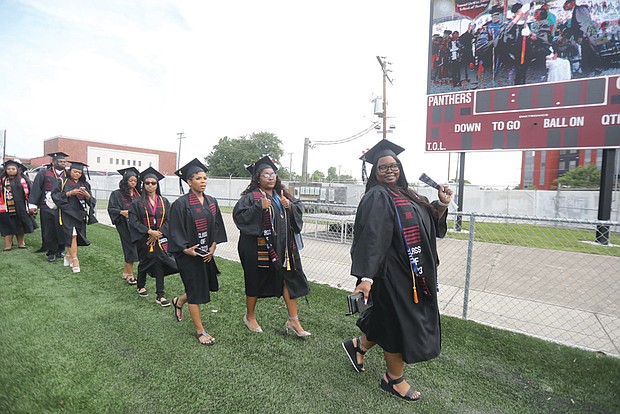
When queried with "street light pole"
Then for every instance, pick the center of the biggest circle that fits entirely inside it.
(290, 165)
(180, 134)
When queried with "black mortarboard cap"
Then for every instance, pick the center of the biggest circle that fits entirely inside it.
(15, 162)
(57, 155)
(190, 168)
(77, 165)
(265, 162)
(151, 172)
(128, 172)
(381, 149)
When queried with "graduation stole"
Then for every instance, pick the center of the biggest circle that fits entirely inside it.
(199, 215)
(409, 224)
(127, 200)
(152, 221)
(264, 243)
(7, 201)
(50, 176)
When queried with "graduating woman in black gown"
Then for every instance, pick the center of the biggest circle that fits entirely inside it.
(15, 217)
(196, 227)
(394, 257)
(268, 217)
(118, 210)
(148, 224)
(76, 207)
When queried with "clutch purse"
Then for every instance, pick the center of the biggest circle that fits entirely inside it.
(356, 303)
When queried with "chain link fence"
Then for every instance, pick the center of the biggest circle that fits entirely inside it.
(545, 277)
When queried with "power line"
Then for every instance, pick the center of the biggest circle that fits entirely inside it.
(348, 139)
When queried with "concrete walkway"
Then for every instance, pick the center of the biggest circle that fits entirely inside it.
(542, 293)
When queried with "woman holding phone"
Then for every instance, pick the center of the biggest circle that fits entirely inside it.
(75, 209)
(196, 228)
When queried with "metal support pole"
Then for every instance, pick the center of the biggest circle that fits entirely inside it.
(180, 134)
(304, 164)
(470, 251)
(459, 218)
(605, 195)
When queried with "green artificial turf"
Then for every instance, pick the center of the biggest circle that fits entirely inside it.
(86, 343)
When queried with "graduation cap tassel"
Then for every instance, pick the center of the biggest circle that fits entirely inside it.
(364, 175)
(181, 186)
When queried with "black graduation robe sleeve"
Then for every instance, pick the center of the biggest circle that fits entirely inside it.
(178, 239)
(248, 215)
(441, 223)
(137, 229)
(115, 205)
(373, 232)
(37, 193)
(296, 218)
(219, 234)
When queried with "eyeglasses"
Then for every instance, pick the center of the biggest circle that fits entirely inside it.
(150, 183)
(385, 168)
(268, 176)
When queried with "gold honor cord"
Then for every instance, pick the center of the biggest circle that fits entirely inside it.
(161, 223)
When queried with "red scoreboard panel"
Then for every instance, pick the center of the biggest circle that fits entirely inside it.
(583, 113)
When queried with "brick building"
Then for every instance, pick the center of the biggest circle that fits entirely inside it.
(101, 156)
(539, 169)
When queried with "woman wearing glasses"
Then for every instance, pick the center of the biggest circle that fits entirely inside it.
(268, 218)
(394, 257)
(148, 224)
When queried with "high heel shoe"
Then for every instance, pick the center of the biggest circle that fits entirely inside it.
(289, 326)
(67, 261)
(258, 329)
(75, 268)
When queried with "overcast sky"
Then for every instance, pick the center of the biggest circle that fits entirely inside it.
(139, 72)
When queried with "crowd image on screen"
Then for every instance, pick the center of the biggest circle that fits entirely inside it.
(525, 43)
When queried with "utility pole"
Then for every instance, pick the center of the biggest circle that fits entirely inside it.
(304, 164)
(386, 77)
(290, 165)
(180, 134)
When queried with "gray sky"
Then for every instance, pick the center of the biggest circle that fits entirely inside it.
(139, 72)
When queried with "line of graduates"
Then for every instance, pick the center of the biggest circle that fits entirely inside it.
(394, 252)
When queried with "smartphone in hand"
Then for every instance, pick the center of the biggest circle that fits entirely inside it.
(201, 252)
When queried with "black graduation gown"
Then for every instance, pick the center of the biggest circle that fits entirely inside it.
(199, 278)
(117, 202)
(52, 233)
(21, 222)
(378, 251)
(263, 282)
(152, 261)
(71, 212)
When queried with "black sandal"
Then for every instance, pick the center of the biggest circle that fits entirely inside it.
(351, 351)
(175, 302)
(210, 339)
(389, 387)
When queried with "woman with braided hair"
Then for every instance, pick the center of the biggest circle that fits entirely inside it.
(268, 218)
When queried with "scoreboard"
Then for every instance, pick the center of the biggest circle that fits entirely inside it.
(582, 113)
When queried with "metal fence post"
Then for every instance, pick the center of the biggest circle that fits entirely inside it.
(470, 249)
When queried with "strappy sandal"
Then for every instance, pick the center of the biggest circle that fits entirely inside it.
(210, 340)
(177, 315)
(130, 279)
(352, 350)
(389, 387)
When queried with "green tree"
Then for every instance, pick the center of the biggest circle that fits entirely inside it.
(331, 174)
(581, 177)
(317, 176)
(230, 155)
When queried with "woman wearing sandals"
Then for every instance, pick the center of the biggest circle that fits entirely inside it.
(15, 217)
(75, 209)
(118, 210)
(196, 227)
(148, 224)
(268, 218)
(394, 257)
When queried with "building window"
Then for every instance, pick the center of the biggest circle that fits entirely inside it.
(139, 163)
(587, 159)
(562, 166)
(111, 161)
(98, 160)
(599, 159)
(123, 161)
(117, 161)
(134, 163)
(572, 164)
(528, 173)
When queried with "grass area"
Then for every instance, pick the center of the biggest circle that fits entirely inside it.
(86, 343)
(544, 237)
